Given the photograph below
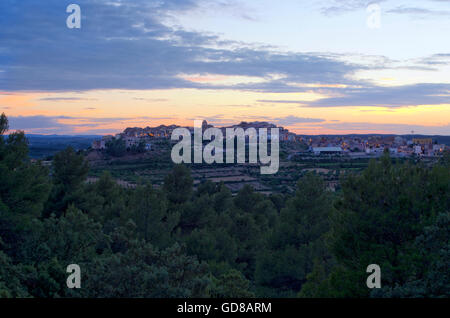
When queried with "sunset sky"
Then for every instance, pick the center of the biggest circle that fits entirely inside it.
(314, 67)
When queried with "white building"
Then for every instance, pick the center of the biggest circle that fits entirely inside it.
(393, 151)
(438, 149)
(327, 150)
(418, 150)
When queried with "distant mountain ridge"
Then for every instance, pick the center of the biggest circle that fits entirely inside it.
(42, 146)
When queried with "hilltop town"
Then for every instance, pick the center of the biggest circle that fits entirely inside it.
(356, 146)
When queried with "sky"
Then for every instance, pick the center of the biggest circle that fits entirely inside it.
(314, 67)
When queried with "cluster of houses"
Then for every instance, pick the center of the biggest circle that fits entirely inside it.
(318, 145)
(135, 135)
(375, 145)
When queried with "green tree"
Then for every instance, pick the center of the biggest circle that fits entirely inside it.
(178, 185)
(154, 223)
(298, 239)
(10, 284)
(428, 275)
(4, 126)
(380, 215)
(106, 201)
(70, 171)
(116, 147)
(138, 269)
(23, 191)
(232, 284)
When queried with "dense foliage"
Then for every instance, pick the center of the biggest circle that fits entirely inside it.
(177, 241)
